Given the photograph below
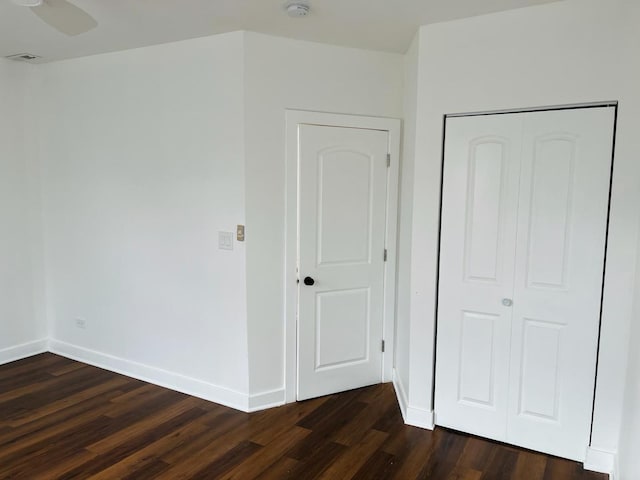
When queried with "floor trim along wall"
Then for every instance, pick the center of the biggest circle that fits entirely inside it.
(400, 393)
(419, 417)
(416, 417)
(24, 350)
(264, 400)
(602, 461)
(163, 378)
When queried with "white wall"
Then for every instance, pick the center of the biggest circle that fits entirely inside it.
(146, 154)
(288, 74)
(402, 362)
(568, 52)
(629, 444)
(142, 154)
(628, 459)
(22, 327)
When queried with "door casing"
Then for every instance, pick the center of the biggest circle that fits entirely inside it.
(293, 118)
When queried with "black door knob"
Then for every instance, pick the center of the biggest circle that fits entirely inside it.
(309, 281)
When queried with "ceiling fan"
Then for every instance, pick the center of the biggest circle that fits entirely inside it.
(62, 15)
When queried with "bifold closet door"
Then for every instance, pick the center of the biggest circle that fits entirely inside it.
(525, 199)
(562, 221)
(477, 256)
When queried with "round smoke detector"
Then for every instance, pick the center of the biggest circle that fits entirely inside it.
(297, 10)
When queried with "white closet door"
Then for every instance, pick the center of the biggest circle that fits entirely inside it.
(481, 174)
(564, 195)
(525, 199)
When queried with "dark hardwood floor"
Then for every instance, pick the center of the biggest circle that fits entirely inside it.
(61, 419)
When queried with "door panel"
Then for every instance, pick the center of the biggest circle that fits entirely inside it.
(342, 324)
(342, 216)
(476, 272)
(484, 209)
(344, 221)
(477, 359)
(538, 386)
(562, 218)
(550, 200)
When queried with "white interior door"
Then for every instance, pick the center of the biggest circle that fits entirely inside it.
(525, 199)
(342, 215)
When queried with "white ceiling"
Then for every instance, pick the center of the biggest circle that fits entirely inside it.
(387, 25)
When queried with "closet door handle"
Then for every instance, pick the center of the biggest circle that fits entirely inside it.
(507, 302)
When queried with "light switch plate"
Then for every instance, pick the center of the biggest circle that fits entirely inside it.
(225, 240)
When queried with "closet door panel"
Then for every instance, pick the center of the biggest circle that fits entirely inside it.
(481, 175)
(562, 216)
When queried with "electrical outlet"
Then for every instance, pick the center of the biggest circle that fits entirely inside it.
(81, 323)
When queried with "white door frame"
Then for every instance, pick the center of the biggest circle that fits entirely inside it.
(391, 125)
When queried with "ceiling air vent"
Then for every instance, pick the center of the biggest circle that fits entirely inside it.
(23, 57)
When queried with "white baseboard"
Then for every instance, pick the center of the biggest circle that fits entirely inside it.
(163, 378)
(18, 352)
(400, 394)
(602, 461)
(264, 400)
(417, 417)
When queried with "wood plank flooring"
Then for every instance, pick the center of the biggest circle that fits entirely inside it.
(61, 419)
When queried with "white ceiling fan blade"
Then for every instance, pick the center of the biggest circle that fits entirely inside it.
(65, 17)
